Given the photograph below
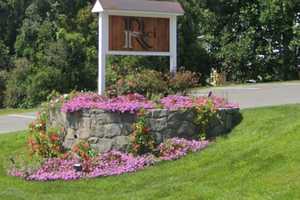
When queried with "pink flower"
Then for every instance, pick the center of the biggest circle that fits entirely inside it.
(108, 164)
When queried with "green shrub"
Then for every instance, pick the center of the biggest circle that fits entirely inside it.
(42, 84)
(146, 82)
(27, 85)
(150, 83)
(182, 81)
(15, 93)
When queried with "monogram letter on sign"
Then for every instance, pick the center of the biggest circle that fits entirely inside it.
(139, 34)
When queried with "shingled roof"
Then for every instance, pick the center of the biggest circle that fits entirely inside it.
(139, 5)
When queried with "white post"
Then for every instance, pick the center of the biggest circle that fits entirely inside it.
(102, 50)
(173, 44)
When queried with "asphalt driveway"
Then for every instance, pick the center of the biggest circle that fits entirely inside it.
(258, 95)
(15, 122)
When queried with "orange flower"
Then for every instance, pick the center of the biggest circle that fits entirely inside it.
(54, 137)
(76, 149)
(86, 145)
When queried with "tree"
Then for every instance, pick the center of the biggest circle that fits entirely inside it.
(4, 56)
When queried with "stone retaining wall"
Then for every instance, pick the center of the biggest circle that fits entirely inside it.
(106, 130)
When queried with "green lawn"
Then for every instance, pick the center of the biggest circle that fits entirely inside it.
(8, 111)
(259, 160)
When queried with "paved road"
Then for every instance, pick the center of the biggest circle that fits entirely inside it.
(17, 122)
(258, 95)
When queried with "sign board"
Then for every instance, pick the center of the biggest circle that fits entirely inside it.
(127, 33)
(136, 27)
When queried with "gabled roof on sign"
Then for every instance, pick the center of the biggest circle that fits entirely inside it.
(139, 5)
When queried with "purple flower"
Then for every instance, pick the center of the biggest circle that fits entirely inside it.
(176, 148)
(128, 103)
(176, 102)
(108, 164)
(134, 102)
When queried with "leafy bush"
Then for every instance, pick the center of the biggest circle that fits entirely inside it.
(182, 81)
(151, 83)
(27, 86)
(15, 93)
(42, 84)
(146, 82)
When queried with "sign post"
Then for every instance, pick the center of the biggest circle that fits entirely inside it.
(136, 27)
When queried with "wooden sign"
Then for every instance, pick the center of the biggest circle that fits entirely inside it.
(136, 28)
(139, 34)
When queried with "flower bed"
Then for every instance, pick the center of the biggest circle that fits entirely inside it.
(134, 102)
(84, 135)
(107, 164)
(108, 123)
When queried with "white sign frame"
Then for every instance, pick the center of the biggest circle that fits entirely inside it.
(103, 39)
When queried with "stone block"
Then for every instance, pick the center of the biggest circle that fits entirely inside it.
(103, 145)
(127, 129)
(121, 143)
(157, 124)
(187, 130)
(74, 119)
(158, 137)
(85, 122)
(112, 130)
(98, 132)
(84, 133)
(158, 113)
(93, 140)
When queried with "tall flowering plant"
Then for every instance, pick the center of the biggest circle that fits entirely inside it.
(46, 144)
(42, 142)
(205, 112)
(86, 155)
(83, 150)
(142, 141)
(40, 123)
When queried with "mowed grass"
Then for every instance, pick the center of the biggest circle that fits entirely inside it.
(8, 111)
(260, 160)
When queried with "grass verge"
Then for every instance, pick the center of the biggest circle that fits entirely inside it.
(258, 160)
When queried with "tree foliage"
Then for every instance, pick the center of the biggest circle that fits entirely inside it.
(52, 44)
